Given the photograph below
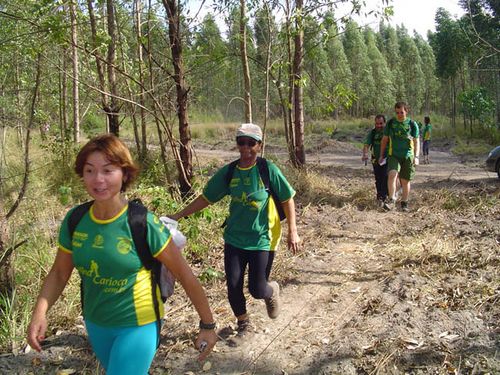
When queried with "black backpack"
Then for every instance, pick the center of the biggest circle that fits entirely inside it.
(137, 219)
(264, 175)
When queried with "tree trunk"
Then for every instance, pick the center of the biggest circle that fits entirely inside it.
(268, 71)
(244, 62)
(98, 61)
(6, 271)
(140, 62)
(298, 92)
(76, 95)
(63, 97)
(186, 155)
(113, 109)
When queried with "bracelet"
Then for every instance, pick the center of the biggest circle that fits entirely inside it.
(207, 325)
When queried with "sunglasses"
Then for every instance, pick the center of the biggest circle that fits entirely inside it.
(246, 142)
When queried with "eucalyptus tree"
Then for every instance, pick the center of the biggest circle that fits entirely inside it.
(449, 46)
(357, 54)
(317, 92)
(392, 56)
(341, 91)
(411, 68)
(431, 84)
(209, 66)
(383, 95)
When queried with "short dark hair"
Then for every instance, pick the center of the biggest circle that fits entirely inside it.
(402, 105)
(114, 150)
(427, 119)
(380, 116)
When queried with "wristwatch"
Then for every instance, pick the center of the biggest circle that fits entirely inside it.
(207, 325)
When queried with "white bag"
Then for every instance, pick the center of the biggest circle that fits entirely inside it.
(167, 279)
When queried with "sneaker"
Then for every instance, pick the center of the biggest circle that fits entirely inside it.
(380, 202)
(389, 204)
(273, 302)
(404, 206)
(244, 327)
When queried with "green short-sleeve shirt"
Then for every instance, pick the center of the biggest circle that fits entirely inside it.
(401, 135)
(253, 222)
(116, 286)
(427, 132)
(373, 139)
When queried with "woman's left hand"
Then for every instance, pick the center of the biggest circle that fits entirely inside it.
(205, 342)
(294, 242)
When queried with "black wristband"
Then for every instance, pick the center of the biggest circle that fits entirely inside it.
(207, 325)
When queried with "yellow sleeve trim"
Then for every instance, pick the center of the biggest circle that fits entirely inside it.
(163, 247)
(63, 249)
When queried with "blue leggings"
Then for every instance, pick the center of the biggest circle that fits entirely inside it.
(124, 350)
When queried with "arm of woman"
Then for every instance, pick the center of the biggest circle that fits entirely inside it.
(52, 287)
(172, 258)
(197, 205)
(293, 237)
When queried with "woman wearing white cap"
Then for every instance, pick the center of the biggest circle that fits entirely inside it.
(253, 228)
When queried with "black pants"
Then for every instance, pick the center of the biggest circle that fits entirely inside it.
(259, 267)
(380, 173)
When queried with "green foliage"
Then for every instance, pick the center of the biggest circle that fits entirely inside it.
(476, 104)
(210, 274)
(93, 124)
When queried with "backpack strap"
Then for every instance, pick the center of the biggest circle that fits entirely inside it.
(230, 171)
(137, 216)
(264, 175)
(74, 218)
(77, 215)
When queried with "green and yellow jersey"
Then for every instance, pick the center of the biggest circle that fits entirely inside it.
(401, 135)
(253, 222)
(116, 286)
(373, 139)
(427, 132)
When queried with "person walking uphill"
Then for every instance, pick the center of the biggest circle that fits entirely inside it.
(401, 138)
(427, 139)
(253, 228)
(372, 140)
(117, 294)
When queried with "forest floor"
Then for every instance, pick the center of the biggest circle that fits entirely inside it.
(371, 293)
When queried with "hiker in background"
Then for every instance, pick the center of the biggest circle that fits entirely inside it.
(401, 138)
(427, 139)
(117, 300)
(253, 228)
(372, 141)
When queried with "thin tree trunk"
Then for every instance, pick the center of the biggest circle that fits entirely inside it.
(182, 90)
(64, 96)
(76, 95)
(7, 282)
(244, 62)
(268, 71)
(298, 91)
(140, 62)
(113, 110)
(290, 130)
(98, 61)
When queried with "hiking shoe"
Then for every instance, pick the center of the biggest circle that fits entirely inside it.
(404, 206)
(389, 204)
(273, 302)
(244, 327)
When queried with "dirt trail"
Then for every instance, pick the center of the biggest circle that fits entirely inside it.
(351, 303)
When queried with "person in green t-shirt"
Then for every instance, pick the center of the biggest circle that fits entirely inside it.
(427, 139)
(117, 299)
(403, 148)
(253, 228)
(372, 141)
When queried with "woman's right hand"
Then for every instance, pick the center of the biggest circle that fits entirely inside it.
(36, 332)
